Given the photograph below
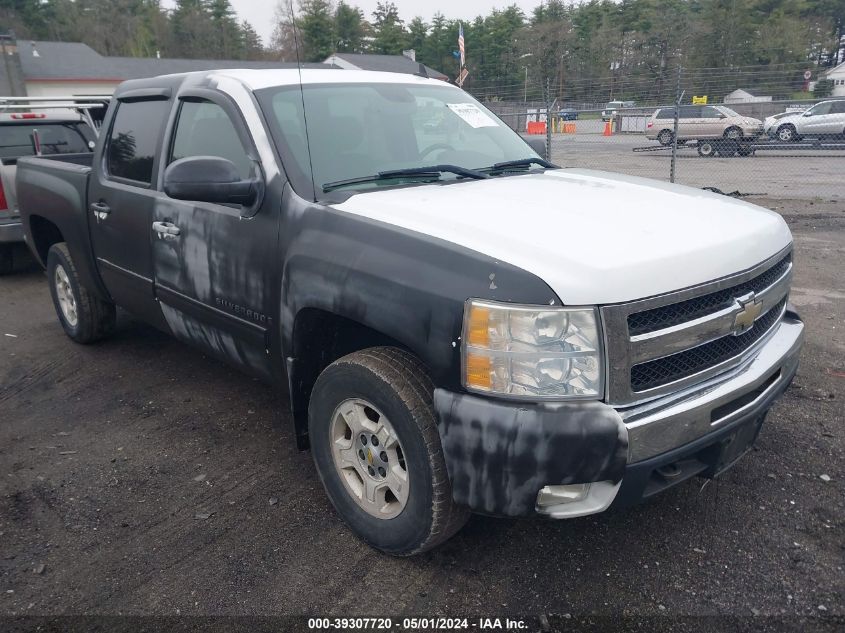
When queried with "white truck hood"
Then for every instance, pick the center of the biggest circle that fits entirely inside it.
(593, 237)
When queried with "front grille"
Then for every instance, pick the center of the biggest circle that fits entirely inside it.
(676, 313)
(668, 369)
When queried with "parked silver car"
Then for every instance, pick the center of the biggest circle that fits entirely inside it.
(825, 119)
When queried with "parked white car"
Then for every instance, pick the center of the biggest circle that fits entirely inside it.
(825, 119)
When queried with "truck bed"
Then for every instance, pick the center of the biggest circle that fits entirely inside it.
(54, 190)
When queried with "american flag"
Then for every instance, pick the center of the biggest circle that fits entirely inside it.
(461, 44)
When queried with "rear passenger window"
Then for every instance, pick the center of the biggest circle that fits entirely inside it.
(133, 139)
(666, 113)
(690, 112)
(204, 129)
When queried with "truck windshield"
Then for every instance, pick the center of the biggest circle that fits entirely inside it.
(17, 140)
(358, 130)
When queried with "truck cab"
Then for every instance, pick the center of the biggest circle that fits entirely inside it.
(460, 325)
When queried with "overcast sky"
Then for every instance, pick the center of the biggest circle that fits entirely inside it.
(260, 13)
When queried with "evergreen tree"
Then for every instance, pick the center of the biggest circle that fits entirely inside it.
(250, 42)
(192, 28)
(228, 42)
(417, 36)
(389, 35)
(349, 29)
(316, 24)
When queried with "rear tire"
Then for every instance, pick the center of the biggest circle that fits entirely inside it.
(706, 149)
(383, 392)
(84, 317)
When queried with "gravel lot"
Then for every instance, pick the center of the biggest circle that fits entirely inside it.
(804, 174)
(139, 477)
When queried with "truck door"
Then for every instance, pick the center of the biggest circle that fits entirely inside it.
(216, 276)
(121, 196)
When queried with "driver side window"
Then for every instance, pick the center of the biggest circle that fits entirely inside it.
(821, 108)
(204, 129)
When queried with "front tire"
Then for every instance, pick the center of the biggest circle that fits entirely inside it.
(665, 137)
(84, 317)
(787, 133)
(377, 450)
(733, 134)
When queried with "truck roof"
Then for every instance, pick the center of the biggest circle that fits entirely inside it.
(257, 79)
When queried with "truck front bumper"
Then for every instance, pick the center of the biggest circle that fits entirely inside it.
(517, 459)
(11, 230)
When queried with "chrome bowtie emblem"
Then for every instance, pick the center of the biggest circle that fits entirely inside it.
(749, 309)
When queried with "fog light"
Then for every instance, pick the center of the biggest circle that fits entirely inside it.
(557, 495)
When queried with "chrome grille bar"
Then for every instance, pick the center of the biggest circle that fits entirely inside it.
(764, 287)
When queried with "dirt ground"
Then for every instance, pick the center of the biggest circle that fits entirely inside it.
(139, 477)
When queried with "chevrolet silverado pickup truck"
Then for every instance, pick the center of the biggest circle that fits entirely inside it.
(460, 325)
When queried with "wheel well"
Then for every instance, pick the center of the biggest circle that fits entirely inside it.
(320, 338)
(44, 235)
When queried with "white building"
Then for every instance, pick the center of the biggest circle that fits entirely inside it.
(743, 96)
(837, 76)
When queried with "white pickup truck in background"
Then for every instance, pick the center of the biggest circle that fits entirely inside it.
(38, 126)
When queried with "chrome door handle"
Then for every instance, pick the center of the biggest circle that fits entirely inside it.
(166, 230)
(100, 209)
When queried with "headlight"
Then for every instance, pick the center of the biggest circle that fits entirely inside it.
(532, 352)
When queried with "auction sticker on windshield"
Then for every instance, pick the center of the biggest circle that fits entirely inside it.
(470, 113)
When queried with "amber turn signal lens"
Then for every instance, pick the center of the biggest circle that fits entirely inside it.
(478, 371)
(479, 327)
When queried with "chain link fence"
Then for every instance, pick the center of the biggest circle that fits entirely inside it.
(710, 133)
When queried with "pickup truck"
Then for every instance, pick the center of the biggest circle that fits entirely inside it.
(460, 325)
(50, 130)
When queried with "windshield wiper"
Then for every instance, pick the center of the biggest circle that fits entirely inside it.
(394, 174)
(522, 162)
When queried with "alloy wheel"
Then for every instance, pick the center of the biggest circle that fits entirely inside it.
(64, 293)
(369, 459)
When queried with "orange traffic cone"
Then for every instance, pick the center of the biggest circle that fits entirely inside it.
(608, 131)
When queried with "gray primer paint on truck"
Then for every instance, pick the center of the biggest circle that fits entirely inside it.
(499, 456)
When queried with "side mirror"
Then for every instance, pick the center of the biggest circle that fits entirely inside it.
(208, 179)
(807, 114)
(538, 144)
